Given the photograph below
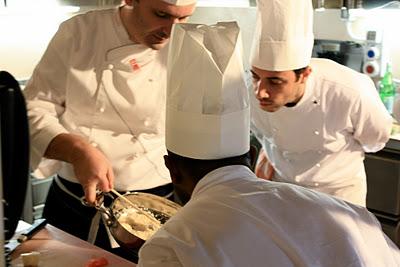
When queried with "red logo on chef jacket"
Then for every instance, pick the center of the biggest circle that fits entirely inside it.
(134, 65)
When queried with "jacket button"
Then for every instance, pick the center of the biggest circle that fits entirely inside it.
(110, 66)
(94, 144)
(318, 165)
(132, 156)
(102, 110)
(316, 184)
(316, 132)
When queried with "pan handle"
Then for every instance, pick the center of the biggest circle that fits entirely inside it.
(99, 206)
(110, 218)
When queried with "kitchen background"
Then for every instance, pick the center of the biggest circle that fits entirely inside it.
(27, 26)
(343, 30)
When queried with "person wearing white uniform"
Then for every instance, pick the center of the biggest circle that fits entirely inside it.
(233, 218)
(314, 118)
(96, 107)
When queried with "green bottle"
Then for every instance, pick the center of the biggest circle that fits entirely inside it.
(387, 90)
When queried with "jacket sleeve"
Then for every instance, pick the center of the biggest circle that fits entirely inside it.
(45, 94)
(372, 122)
(158, 251)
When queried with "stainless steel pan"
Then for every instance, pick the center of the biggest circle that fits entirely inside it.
(130, 225)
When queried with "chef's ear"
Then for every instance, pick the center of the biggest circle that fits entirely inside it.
(131, 2)
(305, 74)
(173, 170)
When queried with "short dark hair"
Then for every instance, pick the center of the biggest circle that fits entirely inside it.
(198, 168)
(298, 72)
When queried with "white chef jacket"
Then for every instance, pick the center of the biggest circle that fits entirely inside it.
(94, 82)
(236, 219)
(320, 142)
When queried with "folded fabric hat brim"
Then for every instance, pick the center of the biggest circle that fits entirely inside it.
(204, 136)
(282, 56)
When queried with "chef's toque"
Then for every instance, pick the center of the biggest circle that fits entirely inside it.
(180, 2)
(207, 99)
(283, 38)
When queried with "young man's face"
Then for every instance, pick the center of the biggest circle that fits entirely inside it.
(275, 89)
(150, 21)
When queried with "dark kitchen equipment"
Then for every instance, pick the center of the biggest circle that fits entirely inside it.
(383, 181)
(368, 4)
(348, 53)
(14, 154)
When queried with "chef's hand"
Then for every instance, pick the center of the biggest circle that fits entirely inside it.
(91, 167)
(93, 171)
(263, 167)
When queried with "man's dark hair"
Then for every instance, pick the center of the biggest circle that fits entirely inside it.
(298, 72)
(198, 168)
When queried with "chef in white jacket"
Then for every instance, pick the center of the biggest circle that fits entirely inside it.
(233, 218)
(314, 118)
(96, 107)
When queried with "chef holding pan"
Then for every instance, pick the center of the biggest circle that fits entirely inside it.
(96, 107)
(314, 118)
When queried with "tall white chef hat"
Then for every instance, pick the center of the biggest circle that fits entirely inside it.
(180, 2)
(284, 38)
(207, 97)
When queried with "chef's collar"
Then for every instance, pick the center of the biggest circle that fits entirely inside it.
(308, 94)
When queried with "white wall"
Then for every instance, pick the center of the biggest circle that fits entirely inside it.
(24, 35)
